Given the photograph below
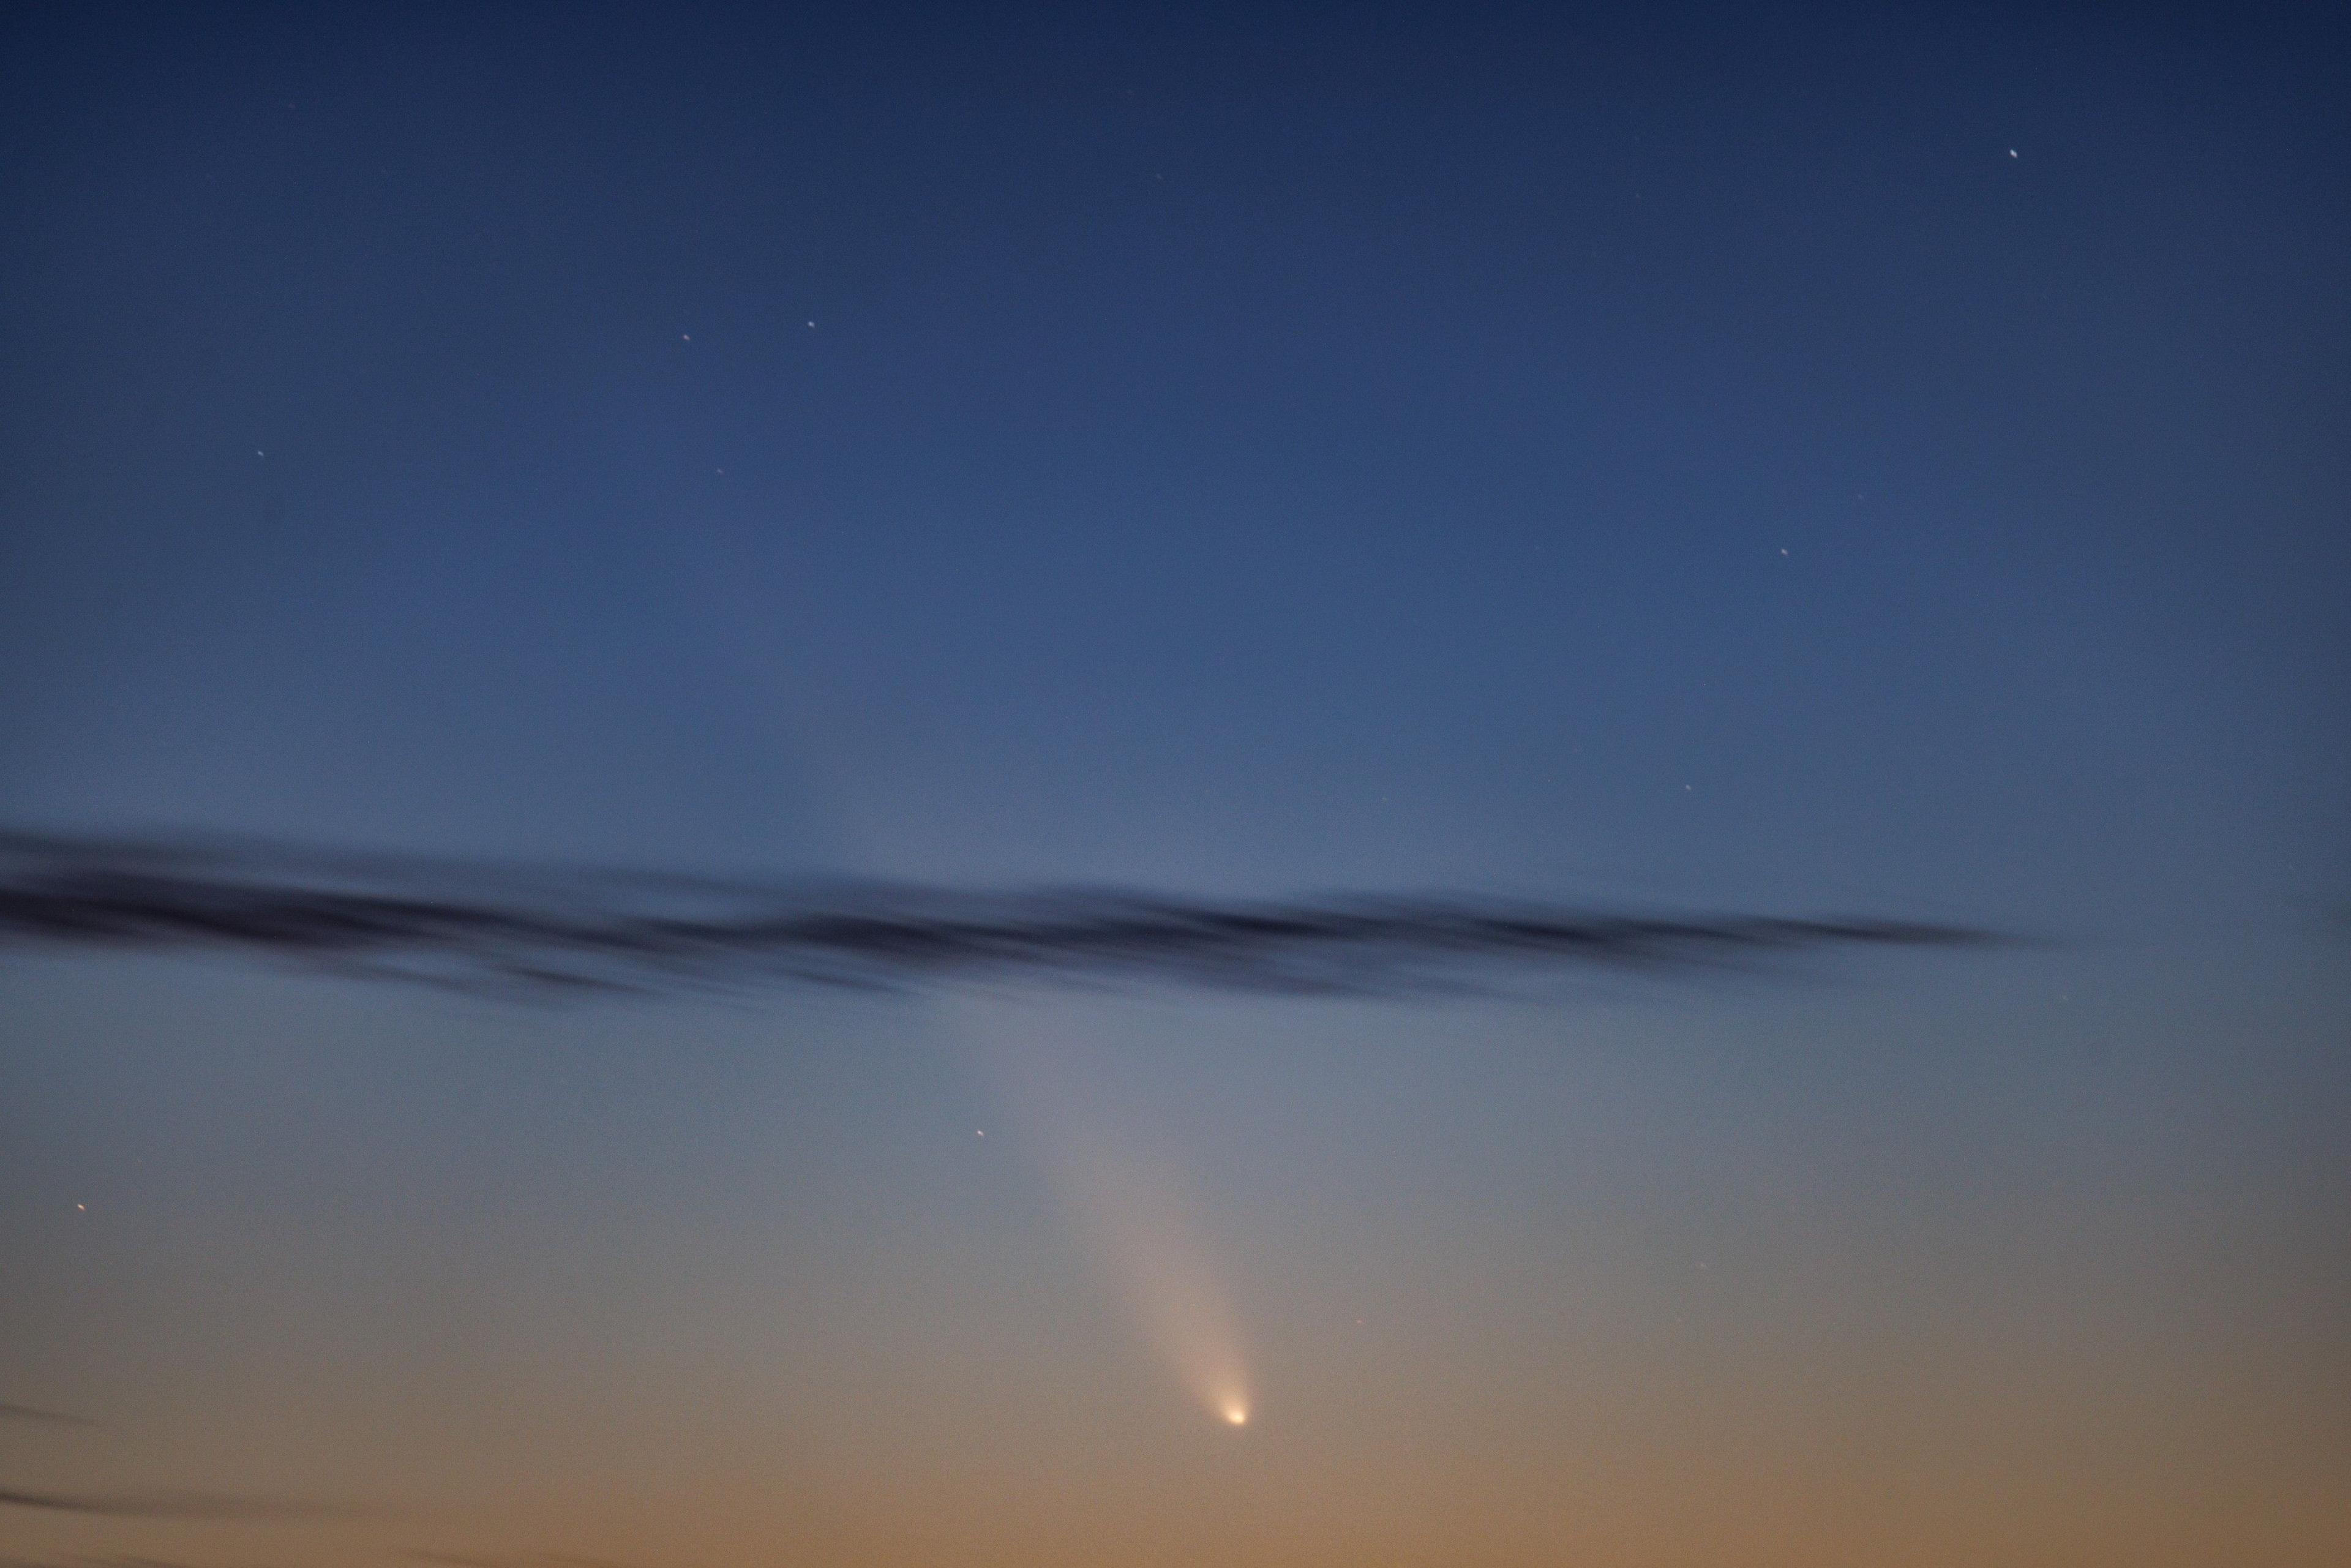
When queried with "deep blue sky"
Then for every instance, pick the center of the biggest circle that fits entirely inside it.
(1870, 461)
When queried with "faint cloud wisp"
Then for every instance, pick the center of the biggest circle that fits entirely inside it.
(172, 1505)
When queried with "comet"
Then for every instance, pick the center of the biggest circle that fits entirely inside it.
(1128, 1197)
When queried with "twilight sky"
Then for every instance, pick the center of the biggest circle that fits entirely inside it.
(1891, 464)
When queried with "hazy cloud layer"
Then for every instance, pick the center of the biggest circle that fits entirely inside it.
(547, 932)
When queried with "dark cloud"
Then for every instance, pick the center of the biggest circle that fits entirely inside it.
(553, 933)
(172, 1505)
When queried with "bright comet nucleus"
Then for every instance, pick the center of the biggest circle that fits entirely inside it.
(1236, 1412)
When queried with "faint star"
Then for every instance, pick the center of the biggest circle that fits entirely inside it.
(2011, 152)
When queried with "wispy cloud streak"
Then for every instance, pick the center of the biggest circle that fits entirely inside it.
(169, 1505)
(525, 1560)
(39, 1416)
(544, 932)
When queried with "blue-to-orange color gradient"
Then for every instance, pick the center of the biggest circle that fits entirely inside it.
(1892, 461)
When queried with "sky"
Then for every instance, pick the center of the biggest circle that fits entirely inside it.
(1889, 465)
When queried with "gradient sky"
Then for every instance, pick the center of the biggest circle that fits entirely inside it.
(1894, 462)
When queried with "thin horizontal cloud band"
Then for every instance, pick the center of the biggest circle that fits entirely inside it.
(33, 1413)
(502, 928)
(173, 1505)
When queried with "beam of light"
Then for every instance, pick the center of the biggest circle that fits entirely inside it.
(517, 930)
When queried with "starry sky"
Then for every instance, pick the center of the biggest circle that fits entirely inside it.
(1890, 464)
